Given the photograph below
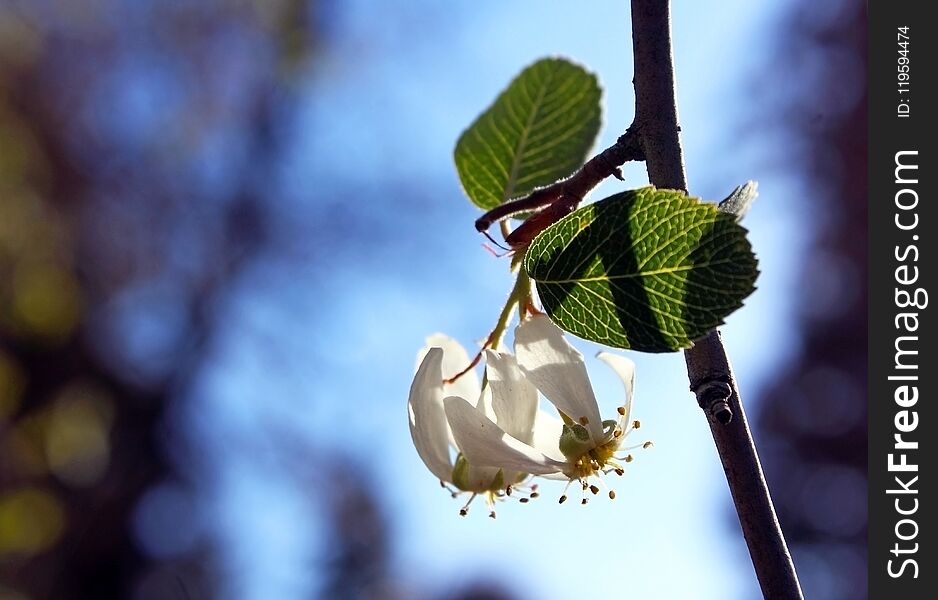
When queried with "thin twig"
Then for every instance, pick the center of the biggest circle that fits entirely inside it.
(576, 186)
(708, 368)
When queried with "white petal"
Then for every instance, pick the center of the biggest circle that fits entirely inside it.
(485, 403)
(455, 359)
(547, 430)
(484, 444)
(558, 371)
(625, 369)
(428, 426)
(514, 398)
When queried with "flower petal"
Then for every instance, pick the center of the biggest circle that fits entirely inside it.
(455, 359)
(558, 371)
(625, 369)
(514, 398)
(547, 431)
(428, 426)
(484, 444)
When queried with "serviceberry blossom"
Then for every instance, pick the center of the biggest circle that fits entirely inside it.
(579, 448)
(507, 399)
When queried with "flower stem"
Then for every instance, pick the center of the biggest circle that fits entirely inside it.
(708, 367)
(521, 296)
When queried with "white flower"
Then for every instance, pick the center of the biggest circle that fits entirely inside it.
(508, 399)
(582, 446)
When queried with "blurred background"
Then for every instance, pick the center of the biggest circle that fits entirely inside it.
(227, 226)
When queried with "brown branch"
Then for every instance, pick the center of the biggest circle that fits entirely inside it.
(574, 188)
(708, 368)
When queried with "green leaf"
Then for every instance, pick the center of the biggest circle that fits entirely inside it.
(538, 130)
(647, 269)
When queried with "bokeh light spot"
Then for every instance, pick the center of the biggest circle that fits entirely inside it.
(31, 521)
(76, 440)
(45, 300)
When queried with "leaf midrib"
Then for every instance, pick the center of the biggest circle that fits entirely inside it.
(519, 153)
(665, 271)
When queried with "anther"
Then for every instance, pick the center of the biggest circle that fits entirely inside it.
(584, 501)
(562, 499)
(492, 514)
(523, 500)
(647, 445)
(463, 511)
(594, 489)
(620, 471)
(534, 494)
(617, 433)
(584, 421)
(636, 424)
(629, 458)
(534, 488)
(612, 495)
(621, 410)
(508, 490)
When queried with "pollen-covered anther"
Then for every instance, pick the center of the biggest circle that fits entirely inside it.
(620, 471)
(647, 444)
(594, 489)
(612, 494)
(584, 421)
(636, 424)
(629, 458)
(621, 410)
(617, 433)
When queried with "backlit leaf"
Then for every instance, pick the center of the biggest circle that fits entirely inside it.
(647, 269)
(538, 130)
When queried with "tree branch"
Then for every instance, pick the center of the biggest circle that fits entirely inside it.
(564, 195)
(708, 368)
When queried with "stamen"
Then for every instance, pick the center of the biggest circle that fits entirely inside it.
(465, 509)
(452, 492)
(621, 410)
(563, 497)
